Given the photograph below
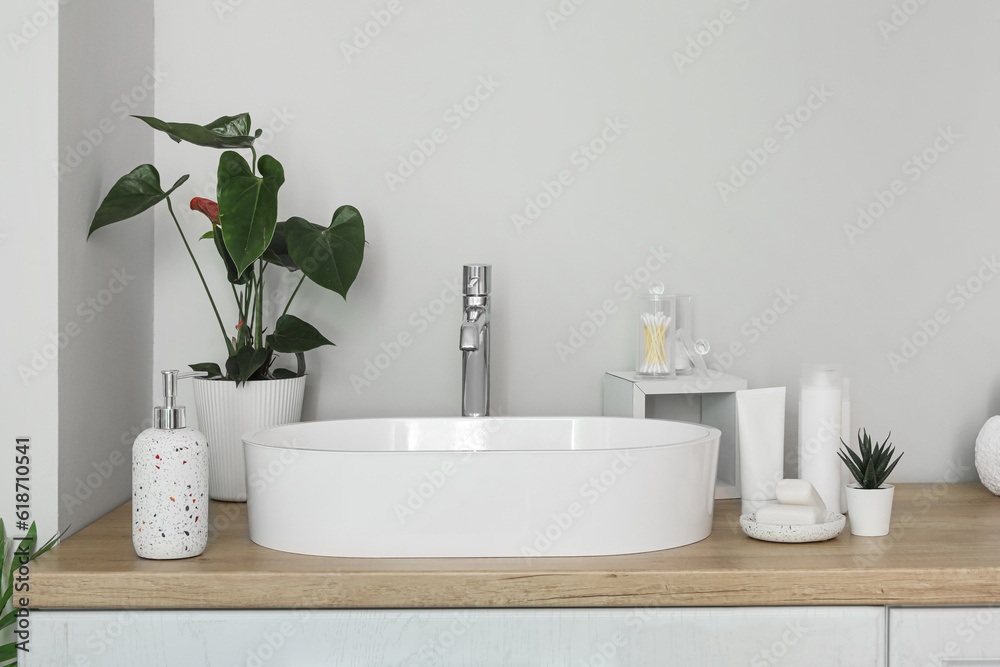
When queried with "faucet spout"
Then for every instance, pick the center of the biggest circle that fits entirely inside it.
(471, 332)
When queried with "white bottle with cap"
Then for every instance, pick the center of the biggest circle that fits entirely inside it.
(170, 483)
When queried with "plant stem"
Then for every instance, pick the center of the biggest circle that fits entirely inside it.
(296, 291)
(259, 309)
(229, 345)
(247, 314)
(253, 165)
(236, 297)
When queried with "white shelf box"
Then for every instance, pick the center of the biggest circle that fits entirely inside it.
(703, 399)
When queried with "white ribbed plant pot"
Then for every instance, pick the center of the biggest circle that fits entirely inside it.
(869, 509)
(226, 412)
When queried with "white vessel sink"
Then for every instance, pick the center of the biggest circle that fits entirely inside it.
(489, 487)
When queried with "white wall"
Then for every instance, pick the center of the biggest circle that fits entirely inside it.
(28, 258)
(78, 334)
(344, 124)
(106, 71)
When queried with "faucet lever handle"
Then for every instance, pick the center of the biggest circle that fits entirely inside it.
(476, 279)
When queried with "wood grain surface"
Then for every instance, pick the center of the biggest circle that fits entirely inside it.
(944, 548)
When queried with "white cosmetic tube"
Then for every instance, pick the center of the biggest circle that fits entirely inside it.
(760, 415)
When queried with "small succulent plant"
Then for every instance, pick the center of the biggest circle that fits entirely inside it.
(873, 466)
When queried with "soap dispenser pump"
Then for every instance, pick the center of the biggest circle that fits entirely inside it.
(170, 482)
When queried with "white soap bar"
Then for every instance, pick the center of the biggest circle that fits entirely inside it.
(799, 492)
(790, 515)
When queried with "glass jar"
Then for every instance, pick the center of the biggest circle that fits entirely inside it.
(655, 350)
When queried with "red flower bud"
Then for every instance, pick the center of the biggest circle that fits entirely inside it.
(208, 207)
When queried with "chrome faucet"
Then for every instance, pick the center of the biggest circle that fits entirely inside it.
(474, 340)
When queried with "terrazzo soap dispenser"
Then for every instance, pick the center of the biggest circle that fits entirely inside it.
(170, 483)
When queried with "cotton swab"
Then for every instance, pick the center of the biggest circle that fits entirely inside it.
(654, 336)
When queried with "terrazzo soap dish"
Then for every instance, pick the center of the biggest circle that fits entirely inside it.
(831, 527)
(799, 516)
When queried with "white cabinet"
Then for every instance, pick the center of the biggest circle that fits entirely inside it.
(693, 637)
(944, 637)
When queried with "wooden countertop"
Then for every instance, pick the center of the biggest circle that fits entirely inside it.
(944, 548)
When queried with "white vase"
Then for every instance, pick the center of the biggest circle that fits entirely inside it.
(226, 412)
(988, 454)
(869, 509)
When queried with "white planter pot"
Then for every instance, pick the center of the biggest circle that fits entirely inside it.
(226, 412)
(869, 509)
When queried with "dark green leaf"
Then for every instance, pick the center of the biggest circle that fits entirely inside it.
(217, 134)
(231, 274)
(331, 257)
(8, 651)
(54, 540)
(231, 126)
(233, 369)
(248, 205)
(284, 374)
(885, 475)
(293, 335)
(213, 370)
(854, 457)
(854, 470)
(277, 249)
(134, 193)
(250, 360)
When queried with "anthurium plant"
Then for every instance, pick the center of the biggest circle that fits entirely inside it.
(247, 236)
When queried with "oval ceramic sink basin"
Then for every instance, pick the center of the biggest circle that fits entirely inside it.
(490, 487)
